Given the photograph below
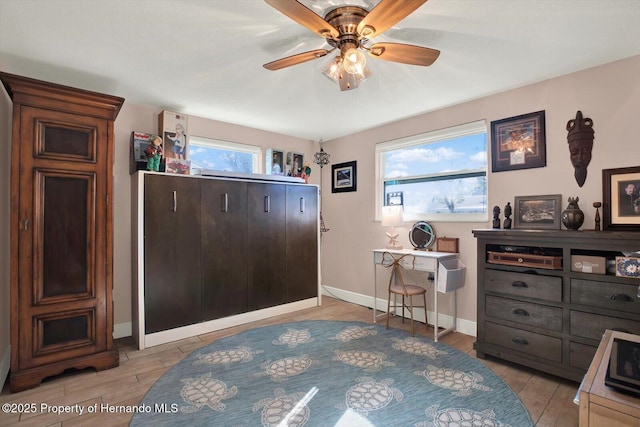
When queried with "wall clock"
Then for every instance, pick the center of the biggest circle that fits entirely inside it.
(422, 235)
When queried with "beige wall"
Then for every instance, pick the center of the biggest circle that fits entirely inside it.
(5, 171)
(609, 94)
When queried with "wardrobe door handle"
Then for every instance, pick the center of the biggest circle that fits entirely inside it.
(267, 204)
(520, 341)
(519, 284)
(175, 201)
(302, 204)
(26, 224)
(224, 203)
(520, 312)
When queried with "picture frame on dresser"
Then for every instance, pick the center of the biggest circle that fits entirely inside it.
(537, 212)
(621, 199)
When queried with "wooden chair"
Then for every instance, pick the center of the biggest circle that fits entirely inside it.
(398, 287)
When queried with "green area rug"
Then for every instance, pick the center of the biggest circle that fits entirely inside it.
(325, 373)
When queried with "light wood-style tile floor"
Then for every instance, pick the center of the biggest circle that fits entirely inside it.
(549, 399)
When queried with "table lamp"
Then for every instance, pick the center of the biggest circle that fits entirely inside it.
(392, 217)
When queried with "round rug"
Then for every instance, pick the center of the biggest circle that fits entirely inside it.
(328, 373)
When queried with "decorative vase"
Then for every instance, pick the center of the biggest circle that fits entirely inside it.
(573, 217)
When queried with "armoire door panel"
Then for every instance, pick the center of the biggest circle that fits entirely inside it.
(65, 265)
(64, 331)
(65, 137)
(224, 248)
(172, 252)
(69, 141)
(266, 261)
(302, 243)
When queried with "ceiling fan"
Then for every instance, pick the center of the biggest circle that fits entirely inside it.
(350, 29)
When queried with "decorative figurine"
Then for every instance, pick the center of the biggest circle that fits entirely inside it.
(507, 216)
(154, 154)
(496, 217)
(597, 205)
(580, 139)
(306, 172)
(573, 217)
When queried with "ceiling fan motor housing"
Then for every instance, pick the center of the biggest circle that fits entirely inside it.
(345, 20)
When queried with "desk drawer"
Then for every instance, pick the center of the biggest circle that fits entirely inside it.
(525, 313)
(538, 345)
(590, 325)
(615, 296)
(523, 284)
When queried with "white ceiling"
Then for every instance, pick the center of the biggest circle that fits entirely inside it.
(204, 57)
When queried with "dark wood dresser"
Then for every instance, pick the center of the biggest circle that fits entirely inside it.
(535, 311)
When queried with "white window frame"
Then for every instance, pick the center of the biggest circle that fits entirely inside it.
(254, 150)
(382, 148)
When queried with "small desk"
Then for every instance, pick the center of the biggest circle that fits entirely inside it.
(425, 261)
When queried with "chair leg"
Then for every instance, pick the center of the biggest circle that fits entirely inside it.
(403, 306)
(389, 307)
(411, 312)
(426, 318)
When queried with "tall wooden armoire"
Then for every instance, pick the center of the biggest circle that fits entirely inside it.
(61, 230)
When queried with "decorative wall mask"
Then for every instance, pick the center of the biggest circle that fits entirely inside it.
(580, 139)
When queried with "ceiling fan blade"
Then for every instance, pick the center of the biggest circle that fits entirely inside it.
(305, 17)
(385, 15)
(295, 59)
(404, 53)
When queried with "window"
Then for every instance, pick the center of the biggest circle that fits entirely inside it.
(439, 176)
(213, 154)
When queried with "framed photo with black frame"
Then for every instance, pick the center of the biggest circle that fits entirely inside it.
(537, 212)
(621, 199)
(518, 142)
(344, 177)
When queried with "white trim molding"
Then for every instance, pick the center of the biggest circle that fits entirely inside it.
(463, 326)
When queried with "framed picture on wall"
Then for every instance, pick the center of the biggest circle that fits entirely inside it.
(621, 199)
(518, 142)
(344, 177)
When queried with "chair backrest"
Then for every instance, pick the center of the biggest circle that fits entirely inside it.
(395, 262)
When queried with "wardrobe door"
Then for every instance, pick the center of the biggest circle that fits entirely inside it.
(172, 252)
(266, 260)
(302, 243)
(224, 248)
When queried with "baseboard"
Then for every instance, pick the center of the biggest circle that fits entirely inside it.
(122, 330)
(5, 365)
(463, 326)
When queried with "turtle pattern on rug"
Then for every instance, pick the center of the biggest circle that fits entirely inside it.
(329, 373)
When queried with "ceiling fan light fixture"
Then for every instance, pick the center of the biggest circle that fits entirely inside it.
(334, 69)
(354, 61)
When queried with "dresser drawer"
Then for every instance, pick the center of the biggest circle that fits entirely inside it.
(581, 355)
(538, 345)
(590, 325)
(525, 313)
(523, 284)
(615, 296)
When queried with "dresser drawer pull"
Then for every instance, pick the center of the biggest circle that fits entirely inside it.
(520, 341)
(621, 297)
(520, 312)
(519, 284)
